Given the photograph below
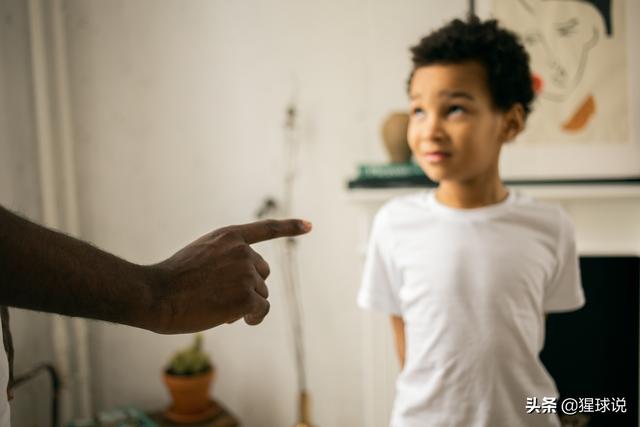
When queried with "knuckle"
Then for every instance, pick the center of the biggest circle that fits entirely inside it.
(242, 275)
(222, 231)
(258, 315)
(263, 289)
(246, 298)
(249, 279)
(267, 308)
(267, 269)
(272, 226)
(227, 234)
(243, 252)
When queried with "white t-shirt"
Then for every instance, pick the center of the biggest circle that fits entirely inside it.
(5, 415)
(473, 287)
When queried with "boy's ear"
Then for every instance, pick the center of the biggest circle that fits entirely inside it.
(513, 123)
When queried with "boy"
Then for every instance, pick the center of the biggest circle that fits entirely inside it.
(469, 270)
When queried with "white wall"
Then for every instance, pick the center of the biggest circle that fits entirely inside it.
(178, 110)
(19, 191)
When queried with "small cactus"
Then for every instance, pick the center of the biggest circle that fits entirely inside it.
(191, 361)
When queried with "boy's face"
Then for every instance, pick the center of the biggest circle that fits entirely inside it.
(455, 133)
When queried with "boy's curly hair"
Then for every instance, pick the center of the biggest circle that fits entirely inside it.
(497, 49)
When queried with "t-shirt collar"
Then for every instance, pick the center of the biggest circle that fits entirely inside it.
(473, 213)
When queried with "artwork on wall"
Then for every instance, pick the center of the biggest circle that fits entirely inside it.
(584, 123)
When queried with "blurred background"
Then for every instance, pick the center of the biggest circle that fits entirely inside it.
(139, 125)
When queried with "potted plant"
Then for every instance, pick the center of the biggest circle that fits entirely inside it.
(188, 378)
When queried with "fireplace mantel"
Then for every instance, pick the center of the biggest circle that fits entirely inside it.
(606, 216)
(557, 193)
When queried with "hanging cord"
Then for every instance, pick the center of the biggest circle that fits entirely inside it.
(289, 249)
(289, 261)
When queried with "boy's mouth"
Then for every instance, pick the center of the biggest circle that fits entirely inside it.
(436, 156)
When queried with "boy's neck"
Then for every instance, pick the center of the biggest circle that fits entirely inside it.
(473, 194)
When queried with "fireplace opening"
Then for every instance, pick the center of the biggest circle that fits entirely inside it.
(592, 353)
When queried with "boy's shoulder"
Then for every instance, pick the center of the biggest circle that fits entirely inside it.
(526, 203)
(400, 206)
(399, 210)
(541, 216)
(406, 201)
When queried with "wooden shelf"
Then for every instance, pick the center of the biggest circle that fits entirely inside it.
(543, 191)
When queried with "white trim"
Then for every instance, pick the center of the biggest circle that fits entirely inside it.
(545, 192)
(58, 190)
(44, 131)
(66, 142)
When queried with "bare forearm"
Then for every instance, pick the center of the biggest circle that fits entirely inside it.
(213, 280)
(43, 270)
(397, 324)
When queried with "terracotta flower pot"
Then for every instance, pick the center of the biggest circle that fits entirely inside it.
(190, 393)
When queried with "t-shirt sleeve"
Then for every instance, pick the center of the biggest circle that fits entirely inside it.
(564, 292)
(378, 290)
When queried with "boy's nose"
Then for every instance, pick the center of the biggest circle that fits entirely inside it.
(431, 129)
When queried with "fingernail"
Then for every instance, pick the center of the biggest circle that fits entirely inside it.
(307, 225)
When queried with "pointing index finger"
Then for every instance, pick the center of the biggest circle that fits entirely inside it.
(272, 229)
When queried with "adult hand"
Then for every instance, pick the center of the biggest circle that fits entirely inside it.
(218, 278)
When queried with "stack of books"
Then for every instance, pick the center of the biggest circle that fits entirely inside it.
(390, 175)
(394, 175)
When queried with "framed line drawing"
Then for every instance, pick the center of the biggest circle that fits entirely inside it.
(585, 122)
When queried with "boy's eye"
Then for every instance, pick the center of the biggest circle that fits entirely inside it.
(417, 112)
(455, 110)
